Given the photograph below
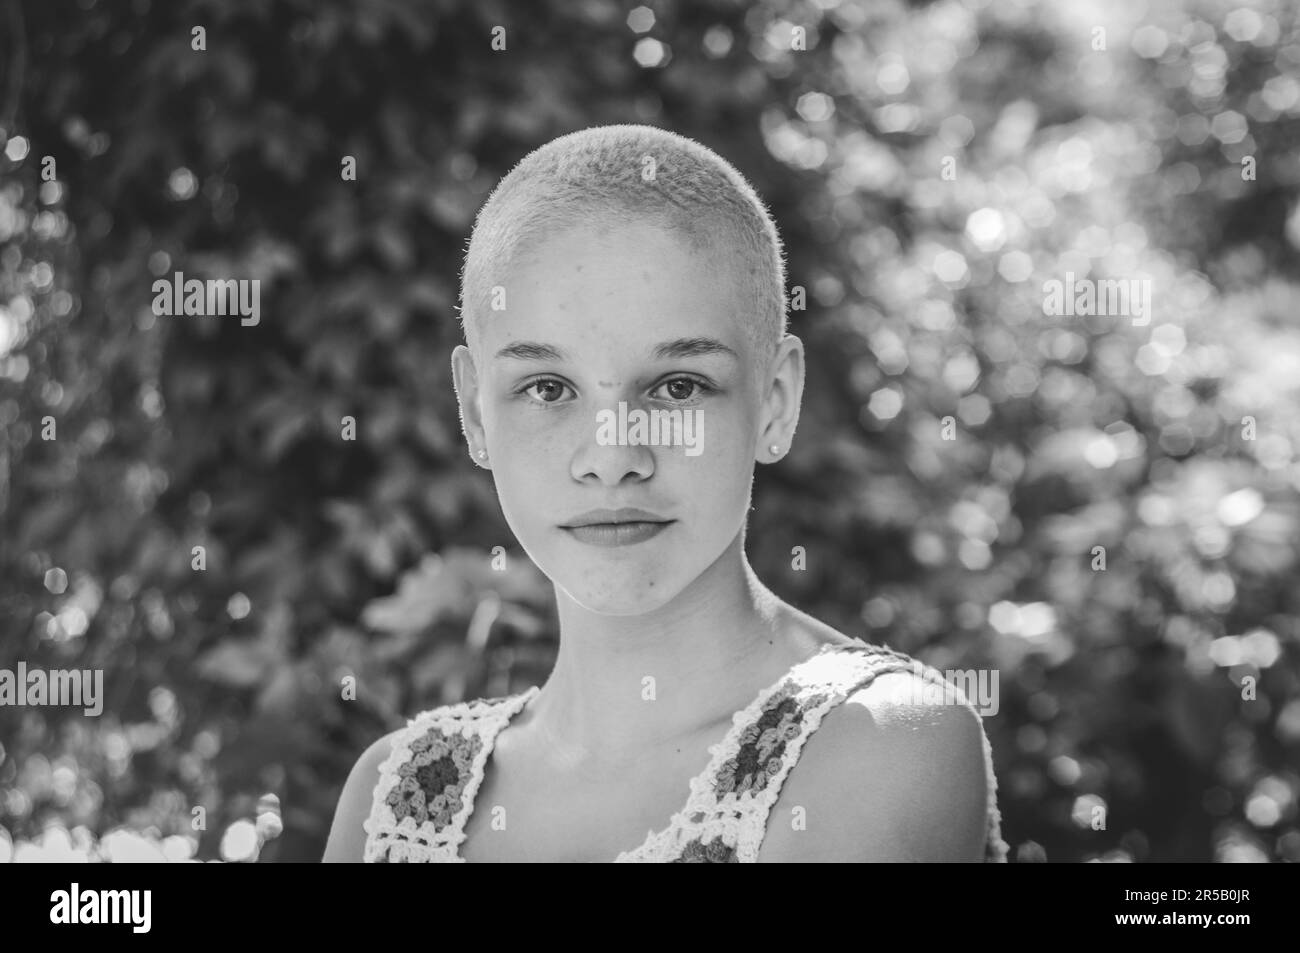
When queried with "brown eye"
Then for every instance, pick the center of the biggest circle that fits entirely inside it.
(684, 389)
(681, 388)
(543, 387)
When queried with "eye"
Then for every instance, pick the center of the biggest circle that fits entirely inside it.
(547, 385)
(684, 389)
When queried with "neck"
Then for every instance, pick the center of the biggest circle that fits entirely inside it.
(624, 685)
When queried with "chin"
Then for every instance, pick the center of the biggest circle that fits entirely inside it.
(624, 592)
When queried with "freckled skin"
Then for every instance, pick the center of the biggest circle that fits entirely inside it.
(607, 298)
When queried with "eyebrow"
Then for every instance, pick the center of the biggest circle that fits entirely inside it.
(679, 348)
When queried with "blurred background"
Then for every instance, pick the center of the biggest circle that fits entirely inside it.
(930, 166)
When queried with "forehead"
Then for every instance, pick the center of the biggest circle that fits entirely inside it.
(630, 281)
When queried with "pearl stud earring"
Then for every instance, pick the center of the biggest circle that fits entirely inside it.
(775, 449)
(482, 454)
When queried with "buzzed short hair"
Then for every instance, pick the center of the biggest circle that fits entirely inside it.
(631, 174)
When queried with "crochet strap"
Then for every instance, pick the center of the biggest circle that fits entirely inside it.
(427, 785)
(726, 817)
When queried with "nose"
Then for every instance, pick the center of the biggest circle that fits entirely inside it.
(611, 461)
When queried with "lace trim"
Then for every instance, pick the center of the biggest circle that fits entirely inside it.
(438, 759)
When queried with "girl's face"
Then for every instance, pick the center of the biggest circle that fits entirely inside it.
(593, 318)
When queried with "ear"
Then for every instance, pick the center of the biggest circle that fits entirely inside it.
(782, 389)
(464, 379)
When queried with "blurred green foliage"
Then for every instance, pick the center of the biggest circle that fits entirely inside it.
(930, 167)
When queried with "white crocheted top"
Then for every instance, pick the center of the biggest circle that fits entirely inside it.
(426, 789)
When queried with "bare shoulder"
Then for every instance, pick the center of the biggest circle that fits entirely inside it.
(347, 838)
(889, 775)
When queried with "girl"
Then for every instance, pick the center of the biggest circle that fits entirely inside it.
(691, 714)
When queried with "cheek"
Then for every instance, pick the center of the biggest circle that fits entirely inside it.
(726, 439)
(531, 455)
(718, 478)
(517, 430)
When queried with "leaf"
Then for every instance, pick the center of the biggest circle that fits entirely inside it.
(240, 664)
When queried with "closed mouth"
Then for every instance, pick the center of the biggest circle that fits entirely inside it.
(626, 516)
(625, 533)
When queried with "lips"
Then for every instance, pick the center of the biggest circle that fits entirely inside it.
(617, 534)
(621, 527)
(627, 514)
